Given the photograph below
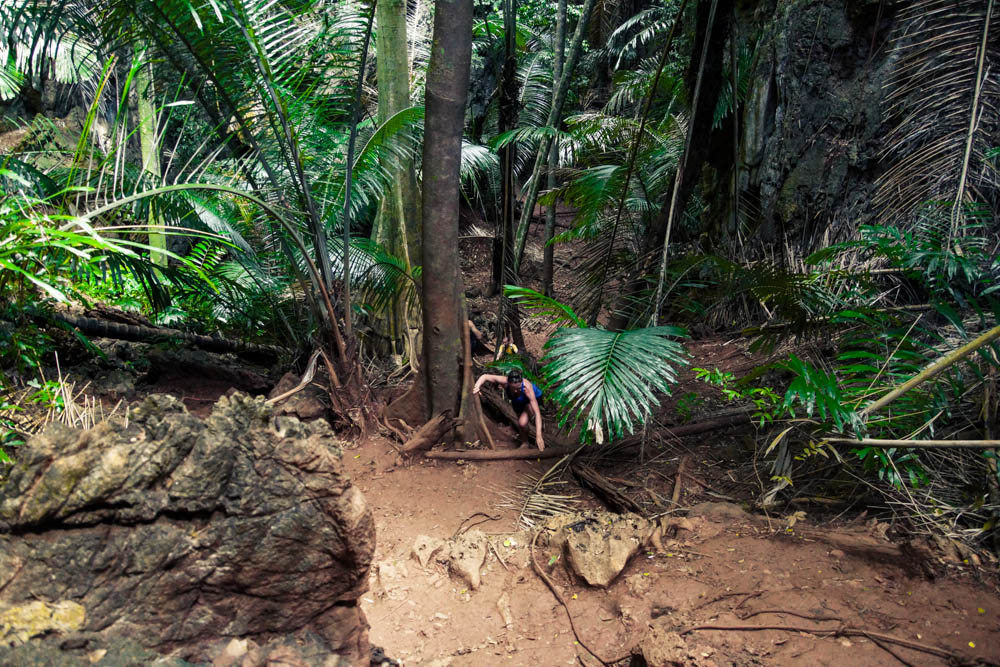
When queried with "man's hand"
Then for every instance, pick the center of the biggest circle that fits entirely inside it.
(475, 389)
(540, 442)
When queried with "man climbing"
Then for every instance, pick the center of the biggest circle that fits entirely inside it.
(523, 395)
(478, 341)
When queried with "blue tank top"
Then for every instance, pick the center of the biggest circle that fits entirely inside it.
(520, 399)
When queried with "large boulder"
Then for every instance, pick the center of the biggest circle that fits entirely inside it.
(180, 533)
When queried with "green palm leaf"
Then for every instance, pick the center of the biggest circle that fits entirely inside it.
(559, 313)
(611, 377)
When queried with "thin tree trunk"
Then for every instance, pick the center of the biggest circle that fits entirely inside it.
(956, 211)
(553, 121)
(445, 95)
(397, 226)
(550, 220)
(145, 96)
(349, 177)
(503, 242)
(934, 369)
(679, 179)
(620, 321)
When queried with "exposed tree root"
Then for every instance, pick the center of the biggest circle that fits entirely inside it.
(876, 637)
(430, 433)
(498, 454)
(552, 587)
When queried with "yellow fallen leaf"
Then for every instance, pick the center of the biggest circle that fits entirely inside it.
(574, 596)
(981, 610)
(972, 644)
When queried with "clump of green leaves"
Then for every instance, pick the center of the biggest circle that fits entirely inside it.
(766, 403)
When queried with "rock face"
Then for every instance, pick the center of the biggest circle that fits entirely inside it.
(179, 533)
(811, 125)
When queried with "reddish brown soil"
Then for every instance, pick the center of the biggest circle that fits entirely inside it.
(742, 571)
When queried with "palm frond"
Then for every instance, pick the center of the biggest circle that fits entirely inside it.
(558, 313)
(611, 376)
(939, 67)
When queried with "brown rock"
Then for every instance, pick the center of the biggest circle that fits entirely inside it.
(179, 533)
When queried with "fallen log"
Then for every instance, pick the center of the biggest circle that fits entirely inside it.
(707, 425)
(430, 433)
(500, 454)
(90, 326)
(608, 493)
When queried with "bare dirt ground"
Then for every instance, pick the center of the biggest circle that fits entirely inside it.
(730, 569)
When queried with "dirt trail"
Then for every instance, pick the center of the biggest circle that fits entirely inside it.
(730, 569)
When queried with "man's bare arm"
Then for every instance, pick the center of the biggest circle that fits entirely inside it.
(539, 441)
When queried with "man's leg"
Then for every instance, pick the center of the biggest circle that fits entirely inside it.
(522, 427)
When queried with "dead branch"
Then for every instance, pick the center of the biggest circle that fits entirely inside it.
(708, 425)
(307, 377)
(613, 499)
(462, 527)
(499, 454)
(918, 444)
(483, 429)
(676, 495)
(552, 587)
(935, 369)
(399, 434)
(839, 632)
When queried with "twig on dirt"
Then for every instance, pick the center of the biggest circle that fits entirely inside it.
(552, 587)
(791, 613)
(839, 632)
(750, 596)
(498, 454)
(488, 518)
(885, 647)
(390, 612)
(706, 486)
(497, 554)
(719, 598)
(676, 495)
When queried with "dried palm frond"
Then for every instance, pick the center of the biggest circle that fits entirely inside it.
(537, 498)
(944, 104)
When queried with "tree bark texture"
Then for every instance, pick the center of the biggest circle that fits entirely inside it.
(397, 227)
(550, 221)
(446, 90)
(146, 109)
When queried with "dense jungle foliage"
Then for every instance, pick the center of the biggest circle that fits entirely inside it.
(255, 169)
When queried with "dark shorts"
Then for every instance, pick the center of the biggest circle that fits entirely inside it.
(520, 404)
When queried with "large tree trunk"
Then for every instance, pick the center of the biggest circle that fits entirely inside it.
(447, 87)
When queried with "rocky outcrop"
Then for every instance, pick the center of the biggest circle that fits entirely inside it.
(180, 533)
(811, 124)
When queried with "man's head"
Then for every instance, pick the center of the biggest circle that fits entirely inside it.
(514, 379)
